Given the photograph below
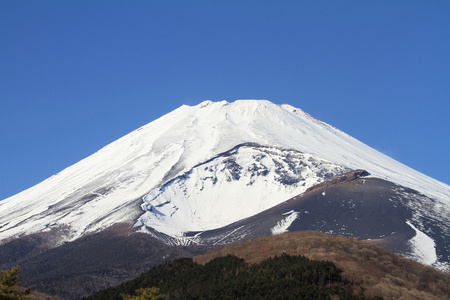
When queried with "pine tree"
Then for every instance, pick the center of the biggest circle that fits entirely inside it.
(9, 283)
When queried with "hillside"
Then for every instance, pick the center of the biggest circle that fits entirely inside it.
(230, 277)
(300, 265)
(378, 271)
(91, 263)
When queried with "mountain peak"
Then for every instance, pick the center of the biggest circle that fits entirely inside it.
(179, 172)
(246, 106)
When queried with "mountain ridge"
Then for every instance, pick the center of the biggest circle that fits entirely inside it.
(203, 167)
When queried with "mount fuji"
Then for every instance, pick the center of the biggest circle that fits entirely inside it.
(220, 172)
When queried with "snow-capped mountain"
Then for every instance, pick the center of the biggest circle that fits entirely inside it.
(204, 167)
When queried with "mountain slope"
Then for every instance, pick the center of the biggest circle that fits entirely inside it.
(229, 277)
(106, 187)
(378, 271)
(211, 174)
(96, 261)
(239, 183)
(201, 168)
(367, 269)
(356, 205)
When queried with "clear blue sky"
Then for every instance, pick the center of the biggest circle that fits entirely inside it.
(77, 75)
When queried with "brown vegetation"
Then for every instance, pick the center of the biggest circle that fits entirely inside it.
(366, 266)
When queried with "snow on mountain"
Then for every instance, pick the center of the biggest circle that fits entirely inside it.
(235, 185)
(169, 167)
(283, 225)
(424, 247)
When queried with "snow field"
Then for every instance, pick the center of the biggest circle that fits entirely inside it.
(230, 188)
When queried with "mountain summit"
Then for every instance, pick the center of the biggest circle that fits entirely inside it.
(199, 169)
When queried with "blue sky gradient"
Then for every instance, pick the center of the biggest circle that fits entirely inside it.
(77, 75)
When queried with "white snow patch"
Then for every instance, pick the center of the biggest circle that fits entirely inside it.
(284, 224)
(424, 248)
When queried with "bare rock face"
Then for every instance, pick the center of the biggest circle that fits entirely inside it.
(347, 177)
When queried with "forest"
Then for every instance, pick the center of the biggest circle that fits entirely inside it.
(230, 277)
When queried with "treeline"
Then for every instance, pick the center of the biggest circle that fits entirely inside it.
(230, 277)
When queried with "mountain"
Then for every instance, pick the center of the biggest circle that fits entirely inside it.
(220, 172)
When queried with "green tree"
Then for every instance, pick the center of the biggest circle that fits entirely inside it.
(9, 283)
(152, 293)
